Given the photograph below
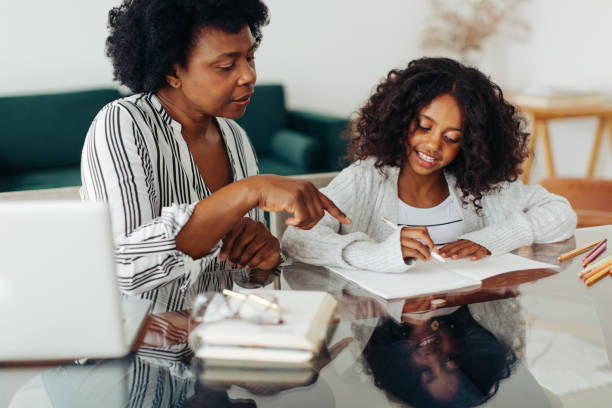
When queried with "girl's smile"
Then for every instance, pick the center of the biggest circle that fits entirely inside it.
(426, 160)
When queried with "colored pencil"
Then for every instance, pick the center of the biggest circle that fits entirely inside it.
(595, 265)
(571, 254)
(595, 271)
(598, 250)
(598, 276)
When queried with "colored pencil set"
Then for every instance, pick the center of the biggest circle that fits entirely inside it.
(592, 271)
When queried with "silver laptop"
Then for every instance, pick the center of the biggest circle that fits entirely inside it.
(58, 289)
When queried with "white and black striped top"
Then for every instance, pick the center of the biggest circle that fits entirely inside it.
(136, 160)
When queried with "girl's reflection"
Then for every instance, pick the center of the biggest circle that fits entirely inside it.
(442, 360)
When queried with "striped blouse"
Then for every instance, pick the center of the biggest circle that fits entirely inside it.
(136, 160)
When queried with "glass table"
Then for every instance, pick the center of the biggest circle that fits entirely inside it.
(537, 338)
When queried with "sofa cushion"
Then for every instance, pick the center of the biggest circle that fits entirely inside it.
(265, 115)
(46, 131)
(328, 130)
(300, 150)
(270, 165)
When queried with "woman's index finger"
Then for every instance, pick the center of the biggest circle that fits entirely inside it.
(333, 210)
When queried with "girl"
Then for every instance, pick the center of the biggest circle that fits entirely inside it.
(438, 153)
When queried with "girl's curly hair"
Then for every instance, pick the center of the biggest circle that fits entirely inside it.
(483, 361)
(494, 142)
(147, 37)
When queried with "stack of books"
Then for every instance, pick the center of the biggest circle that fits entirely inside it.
(294, 342)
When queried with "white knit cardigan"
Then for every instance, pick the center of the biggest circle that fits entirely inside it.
(512, 216)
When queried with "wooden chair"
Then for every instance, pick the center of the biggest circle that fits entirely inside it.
(590, 198)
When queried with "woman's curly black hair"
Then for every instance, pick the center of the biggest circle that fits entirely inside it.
(147, 37)
(494, 142)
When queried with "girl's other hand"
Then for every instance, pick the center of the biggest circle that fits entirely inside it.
(250, 244)
(416, 243)
(298, 197)
(463, 248)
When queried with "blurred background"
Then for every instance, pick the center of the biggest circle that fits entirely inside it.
(329, 55)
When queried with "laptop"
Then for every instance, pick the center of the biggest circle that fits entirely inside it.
(59, 297)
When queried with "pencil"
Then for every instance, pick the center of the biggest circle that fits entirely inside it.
(598, 276)
(571, 254)
(598, 250)
(595, 265)
(434, 254)
(595, 271)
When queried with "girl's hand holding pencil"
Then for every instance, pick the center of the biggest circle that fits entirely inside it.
(416, 243)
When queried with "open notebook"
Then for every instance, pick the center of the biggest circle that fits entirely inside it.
(426, 278)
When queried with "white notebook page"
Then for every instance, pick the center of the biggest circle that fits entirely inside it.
(426, 278)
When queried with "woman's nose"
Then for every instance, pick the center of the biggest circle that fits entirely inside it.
(248, 75)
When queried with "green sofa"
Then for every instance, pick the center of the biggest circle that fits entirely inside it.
(290, 141)
(42, 136)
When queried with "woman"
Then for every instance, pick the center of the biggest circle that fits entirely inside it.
(178, 174)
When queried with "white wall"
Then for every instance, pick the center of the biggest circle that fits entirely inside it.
(53, 45)
(331, 53)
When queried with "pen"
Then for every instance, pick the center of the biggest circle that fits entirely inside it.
(434, 254)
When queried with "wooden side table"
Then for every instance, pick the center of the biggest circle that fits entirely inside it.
(539, 117)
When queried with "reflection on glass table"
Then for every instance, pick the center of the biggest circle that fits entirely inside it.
(443, 360)
(476, 350)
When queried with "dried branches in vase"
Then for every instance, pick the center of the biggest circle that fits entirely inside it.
(462, 27)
